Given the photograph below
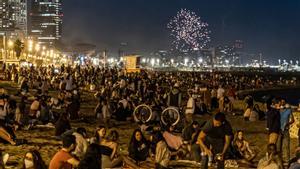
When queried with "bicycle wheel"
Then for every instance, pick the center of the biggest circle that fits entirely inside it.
(170, 116)
(142, 113)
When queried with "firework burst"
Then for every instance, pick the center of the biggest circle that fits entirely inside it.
(188, 31)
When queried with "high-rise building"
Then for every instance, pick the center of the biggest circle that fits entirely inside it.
(8, 9)
(13, 15)
(45, 20)
(13, 20)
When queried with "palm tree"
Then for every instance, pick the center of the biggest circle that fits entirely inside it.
(18, 48)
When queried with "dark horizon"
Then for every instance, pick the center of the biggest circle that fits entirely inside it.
(268, 27)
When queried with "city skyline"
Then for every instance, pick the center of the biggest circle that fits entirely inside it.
(269, 27)
(40, 20)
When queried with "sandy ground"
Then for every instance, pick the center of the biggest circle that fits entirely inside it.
(43, 140)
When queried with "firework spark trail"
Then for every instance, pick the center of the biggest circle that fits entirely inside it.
(188, 31)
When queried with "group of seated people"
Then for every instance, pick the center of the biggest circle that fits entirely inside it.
(25, 112)
(161, 147)
(102, 151)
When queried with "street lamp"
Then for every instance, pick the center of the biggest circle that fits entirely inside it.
(152, 61)
(37, 47)
(227, 62)
(10, 43)
(30, 45)
(200, 60)
(186, 60)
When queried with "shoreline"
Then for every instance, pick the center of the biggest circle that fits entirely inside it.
(258, 94)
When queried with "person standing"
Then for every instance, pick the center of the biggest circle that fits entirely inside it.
(273, 121)
(214, 139)
(190, 107)
(286, 119)
(175, 96)
(220, 92)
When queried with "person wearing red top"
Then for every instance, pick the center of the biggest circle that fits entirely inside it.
(63, 158)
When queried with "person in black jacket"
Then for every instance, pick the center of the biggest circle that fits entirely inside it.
(273, 121)
(62, 124)
(92, 158)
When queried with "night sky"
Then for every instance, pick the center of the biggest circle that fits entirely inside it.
(271, 27)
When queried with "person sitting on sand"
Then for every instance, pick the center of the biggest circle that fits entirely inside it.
(120, 112)
(34, 111)
(73, 107)
(99, 135)
(92, 158)
(4, 108)
(7, 134)
(272, 159)
(189, 130)
(244, 151)
(33, 160)
(294, 163)
(162, 152)
(228, 106)
(109, 151)
(109, 147)
(138, 147)
(20, 117)
(63, 158)
(62, 124)
(250, 114)
(45, 114)
(81, 143)
(261, 114)
(173, 141)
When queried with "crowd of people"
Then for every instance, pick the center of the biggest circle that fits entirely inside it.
(51, 97)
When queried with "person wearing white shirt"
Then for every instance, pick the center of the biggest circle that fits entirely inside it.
(69, 83)
(81, 143)
(220, 92)
(190, 107)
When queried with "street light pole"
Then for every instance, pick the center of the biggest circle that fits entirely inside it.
(5, 48)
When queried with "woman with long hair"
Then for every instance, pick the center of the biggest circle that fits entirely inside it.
(109, 152)
(242, 146)
(109, 148)
(138, 147)
(33, 160)
(100, 134)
